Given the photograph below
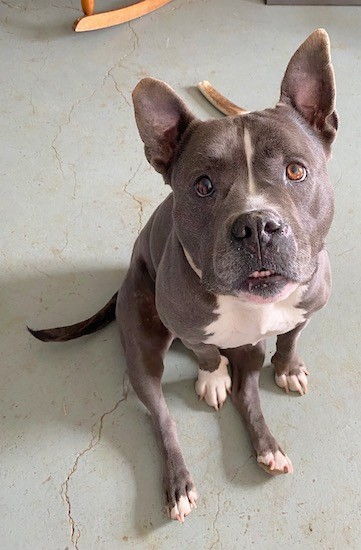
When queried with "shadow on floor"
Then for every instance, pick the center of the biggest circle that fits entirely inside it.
(68, 386)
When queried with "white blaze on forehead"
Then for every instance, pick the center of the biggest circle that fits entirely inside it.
(255, 201)
(249, 157)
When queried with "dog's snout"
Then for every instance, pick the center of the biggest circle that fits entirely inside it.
(256, 227)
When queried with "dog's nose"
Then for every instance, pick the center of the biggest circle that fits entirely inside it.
(256, 227)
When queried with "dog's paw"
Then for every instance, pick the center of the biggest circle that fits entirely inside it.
(214, 386)
(297, 381)
(275, 463)
(183, 506)
(180, 492)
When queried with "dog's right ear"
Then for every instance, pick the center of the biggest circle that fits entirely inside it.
(162, 118)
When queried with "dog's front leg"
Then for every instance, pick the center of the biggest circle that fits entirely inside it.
(246, 363)
(213, 382)
(145, 370)
(290, 371)
(145, 340)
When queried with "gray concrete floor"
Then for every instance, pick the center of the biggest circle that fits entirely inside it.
(79, 465)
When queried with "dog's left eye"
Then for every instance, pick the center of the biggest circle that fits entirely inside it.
(204, 186)
(296, 172)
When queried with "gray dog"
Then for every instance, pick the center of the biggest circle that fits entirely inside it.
(233, 255)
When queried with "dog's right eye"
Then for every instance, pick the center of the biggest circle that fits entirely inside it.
(204, 186)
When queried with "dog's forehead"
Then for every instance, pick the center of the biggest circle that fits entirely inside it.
(216, 138)
(280, 132)
(271, 132)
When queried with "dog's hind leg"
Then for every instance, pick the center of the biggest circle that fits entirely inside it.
(246, 363)
(145, 340)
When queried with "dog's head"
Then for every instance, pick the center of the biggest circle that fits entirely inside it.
(252, 198)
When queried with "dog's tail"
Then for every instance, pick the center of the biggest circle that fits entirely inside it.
(62, 334)
(219, 101)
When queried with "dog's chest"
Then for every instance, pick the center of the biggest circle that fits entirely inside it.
(240, 323)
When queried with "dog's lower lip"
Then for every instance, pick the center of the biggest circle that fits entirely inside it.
(263, 282)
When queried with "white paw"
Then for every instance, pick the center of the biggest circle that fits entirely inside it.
(214, 386)
(183, 507)
(293, 382)
(275, 463)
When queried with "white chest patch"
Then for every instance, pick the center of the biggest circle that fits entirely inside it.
(240, 323)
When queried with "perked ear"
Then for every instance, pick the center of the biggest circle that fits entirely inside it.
(309, 85)
(162, 118)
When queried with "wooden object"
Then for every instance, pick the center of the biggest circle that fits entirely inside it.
(219, 101)
(88, 6)
(94, 21)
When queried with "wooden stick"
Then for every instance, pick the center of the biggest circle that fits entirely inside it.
(116, 17)
(219, 101)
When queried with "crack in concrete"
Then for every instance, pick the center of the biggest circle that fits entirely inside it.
(117, 87)
(45, 60)
(67, 123)
(75, 177)
(25, 7)
(183, 4)
(136, 39)
(241, 466)
(96, 436)
(29, 99)
(78, 215)
(124, 97)
(118, 64)
(43, 273)
(66, 242)
(36, 75)
(31, 102)
(107, 75)
(66, 6)
(56, 152)
(213, 545)
(11, 5)
(135, 199)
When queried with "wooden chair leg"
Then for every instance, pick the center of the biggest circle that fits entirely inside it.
(88, 6)
(93, 21)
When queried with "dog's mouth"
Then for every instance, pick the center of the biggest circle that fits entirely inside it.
(265, 279)
(266, 285)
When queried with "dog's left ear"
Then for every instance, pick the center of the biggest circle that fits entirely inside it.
(309, 85)
(162, 118)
